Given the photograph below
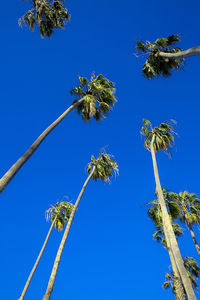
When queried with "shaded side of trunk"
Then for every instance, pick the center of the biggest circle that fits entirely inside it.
(169, 231)
(178, 287)
(49, 289)
(37, 261)
(193, 236)
(9, 175)
(182, 54)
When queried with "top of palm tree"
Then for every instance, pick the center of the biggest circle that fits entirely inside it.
(189, 207)
(156, 65)
(155, 214)
(61, 211)
(104, 165)
(47, 14)
(163, 135)
(97, 94)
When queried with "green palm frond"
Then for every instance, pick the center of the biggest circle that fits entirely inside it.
(98, 97)
(61, 211)
(105, 167)
(47, 14)
(189, 207)
(163, 135)
(156, 65)
(192, 270)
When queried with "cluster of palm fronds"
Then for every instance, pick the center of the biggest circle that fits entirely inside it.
(97, 95)
(60, 213)
(192, 270)
(163, 135)
(156, 65)
(47, 14)
(183, 206)
(104, 167)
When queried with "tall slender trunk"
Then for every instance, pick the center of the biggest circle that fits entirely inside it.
(9, 175)
(178, 287)
(37, 261)
(193, 235)
(181, 54)
(52, 278)
(169, 230)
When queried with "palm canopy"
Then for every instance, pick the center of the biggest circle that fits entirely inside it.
(97, 95)
(105, 167)
(156, 65)
(163, 135)
(61, 212)
(192, 270)
(47, 14)
(155, 214)
(189, 206)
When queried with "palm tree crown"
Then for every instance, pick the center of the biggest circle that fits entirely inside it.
(163, 135)
(104, 167)
(97, 95)
(155, 214)
(61, 212)
(47, 14)
(189, 207)
(156, 65)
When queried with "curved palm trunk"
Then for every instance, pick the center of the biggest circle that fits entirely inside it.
(178, 287)
(37, 261)
(169, 231)
(49, 289)
(182, 54)
(9, 175)
(193, 236)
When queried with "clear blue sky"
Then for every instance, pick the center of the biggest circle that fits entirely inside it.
(110, 253)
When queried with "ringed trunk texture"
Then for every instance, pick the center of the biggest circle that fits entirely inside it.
(193, 236)
(37, 262)
(9, 175)
(178, 287)
(52, 278)
(169, 231)
(182, 54)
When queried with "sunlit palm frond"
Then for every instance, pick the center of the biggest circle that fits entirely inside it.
(97, 95)
(105, 167)
(155, 65)
(47, 14)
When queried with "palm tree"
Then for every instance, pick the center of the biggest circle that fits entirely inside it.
(163, 56)
(47, 14)
(192, 270)
(189, 214)
(156, 139)
(101, 168)
(94, 98)
(59, 215)
(155, 214)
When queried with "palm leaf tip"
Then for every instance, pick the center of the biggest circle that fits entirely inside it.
(47, 14)
(97, 97)
(105, 167)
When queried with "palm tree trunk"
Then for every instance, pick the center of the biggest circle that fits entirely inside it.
(37, 261)
(52, 278)
(9, 175)
(193, 236)
(178, 287)
(181, 54)
(169, 230)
